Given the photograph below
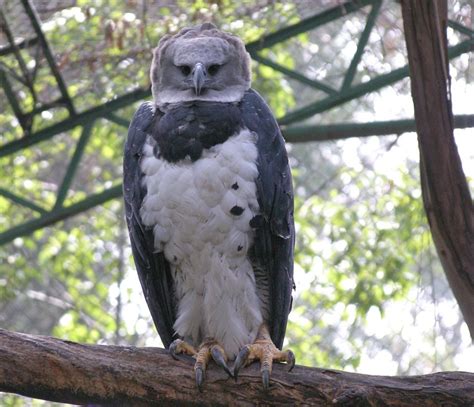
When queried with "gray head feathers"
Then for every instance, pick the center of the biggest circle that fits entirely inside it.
(200, 63)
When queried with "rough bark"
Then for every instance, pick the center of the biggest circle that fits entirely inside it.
(446, 196)
(56, 370)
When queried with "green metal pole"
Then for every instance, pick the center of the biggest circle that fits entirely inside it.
(307, 24)
(10, 94)
(461, 28)
(20, 45)
(73, 164)
(60, 214)
(361, 45)
(16, 51)
(117, 120)
(366, 87)
(70, 123)
(35, 22)
(21, 201)
(340, 131)
(295, 75)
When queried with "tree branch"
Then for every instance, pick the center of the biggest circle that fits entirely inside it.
(63, 371)
(446, 196)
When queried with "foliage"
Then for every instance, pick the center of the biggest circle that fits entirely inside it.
(349, 247)
(362, 238)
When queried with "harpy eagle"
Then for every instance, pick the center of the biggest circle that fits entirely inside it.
(209, 205)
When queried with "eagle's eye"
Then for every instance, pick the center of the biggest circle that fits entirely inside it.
(185, 69)
(213, 69)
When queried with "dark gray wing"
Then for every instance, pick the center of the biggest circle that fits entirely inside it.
(153, 269)
(275, 234)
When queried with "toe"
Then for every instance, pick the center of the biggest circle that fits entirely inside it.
(202, 358)
(265, 378)
(199, 374)
(241, 360)
(172, 349)
(219, 357)
(209, 348)
(179, 346)
(265, 351)
(290, 360)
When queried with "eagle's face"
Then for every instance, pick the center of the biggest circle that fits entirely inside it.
(201, 63)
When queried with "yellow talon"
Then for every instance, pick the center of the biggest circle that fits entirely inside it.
(209, 348)
(264, 350)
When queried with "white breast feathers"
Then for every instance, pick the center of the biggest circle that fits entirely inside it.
(200, 213)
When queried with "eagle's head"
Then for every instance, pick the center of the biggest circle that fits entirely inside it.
(200, 63)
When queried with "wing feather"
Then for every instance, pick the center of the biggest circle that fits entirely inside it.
(275, 234)
(153, 269)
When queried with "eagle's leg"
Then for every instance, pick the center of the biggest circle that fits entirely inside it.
(264, 350)
(209, 348)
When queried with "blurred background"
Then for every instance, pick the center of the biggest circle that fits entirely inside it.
(371, 295)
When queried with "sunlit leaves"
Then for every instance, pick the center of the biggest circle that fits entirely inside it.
(360, 232)
(358, 247)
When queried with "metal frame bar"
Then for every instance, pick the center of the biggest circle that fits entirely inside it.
(342, 131)
(357, 91)
(70, 123)
(112, 117)
(20, 45)
(293, 74)
(461, 28)
(46, 106)
(73, 164)
(31, 12)
(307, 24)
(16, 51)
(22, 201)
(55, 216)
(10, 94)
(24, 120)
(364, 37)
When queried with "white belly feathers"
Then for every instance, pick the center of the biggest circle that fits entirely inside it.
(200, 213)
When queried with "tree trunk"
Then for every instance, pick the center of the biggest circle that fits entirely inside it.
(446, 196)
(63, 371)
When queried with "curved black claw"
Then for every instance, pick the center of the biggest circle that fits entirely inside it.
(241, 360)
(265, 378)
(172, 348)
(291, 360)
(219, 358)
(199, 377)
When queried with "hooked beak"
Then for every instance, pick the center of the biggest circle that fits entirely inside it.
(199, 76)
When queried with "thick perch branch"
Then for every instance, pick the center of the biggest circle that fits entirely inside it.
(56, 370)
